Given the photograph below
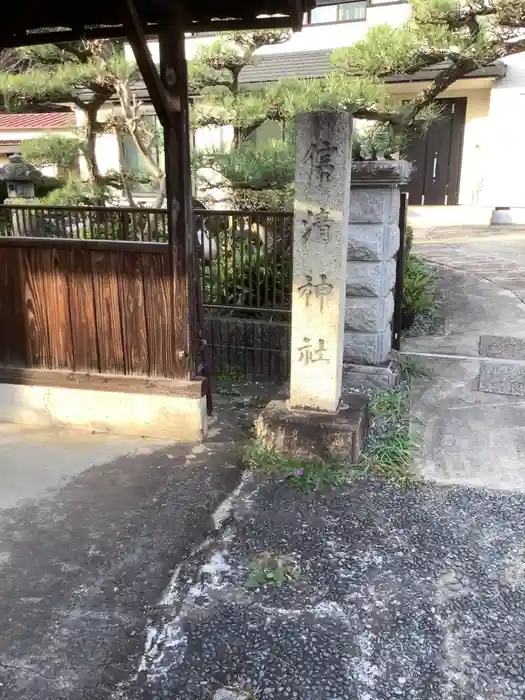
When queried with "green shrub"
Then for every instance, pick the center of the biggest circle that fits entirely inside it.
(243, 274)
(418, 287)
(409, 240)
(77, 193)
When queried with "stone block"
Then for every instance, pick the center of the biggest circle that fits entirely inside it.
(379, 378)
(380, 173)
(373, 242)
(370, 279)
(507, 378)
(369, 314)
(371, 205)
(122, 413)
(368, 348)
(310, 434)
(502, 347)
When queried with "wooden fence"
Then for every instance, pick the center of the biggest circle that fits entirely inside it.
(89, 289)
(87, 306)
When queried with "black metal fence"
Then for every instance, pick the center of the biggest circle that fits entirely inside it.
(246, 273)
(99, 223)
(245, 263)
(397, 321)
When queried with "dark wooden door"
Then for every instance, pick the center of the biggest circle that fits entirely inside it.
(436, 156)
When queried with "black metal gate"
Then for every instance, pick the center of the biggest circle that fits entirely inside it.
(246, 273)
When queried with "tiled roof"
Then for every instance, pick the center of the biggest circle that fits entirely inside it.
(316, 64)
(45, 120)
(291, 64)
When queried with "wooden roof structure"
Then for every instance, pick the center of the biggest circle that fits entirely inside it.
(46, 21)
(53, 21)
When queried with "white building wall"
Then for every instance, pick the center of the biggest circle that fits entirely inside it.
(474, 147)
(311, 37)
(106, 148)
(505, 142)
(477, 92)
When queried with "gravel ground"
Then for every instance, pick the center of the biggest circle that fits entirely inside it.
(414, 594)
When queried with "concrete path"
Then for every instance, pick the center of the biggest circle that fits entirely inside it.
(91, 528)
(469, 437)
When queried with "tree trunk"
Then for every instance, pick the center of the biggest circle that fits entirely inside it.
(90, 152)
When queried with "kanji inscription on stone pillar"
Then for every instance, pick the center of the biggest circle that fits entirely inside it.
(321, 216)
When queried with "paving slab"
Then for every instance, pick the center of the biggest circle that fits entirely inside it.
(502, 347)
(467, 437)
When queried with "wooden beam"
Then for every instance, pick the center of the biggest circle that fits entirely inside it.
(136, 33)
(174, 76)
(13, 39)
(196, 388)
(83, 244)
(296, 14)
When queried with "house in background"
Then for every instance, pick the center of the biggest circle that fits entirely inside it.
(15, 128)
(469, 157)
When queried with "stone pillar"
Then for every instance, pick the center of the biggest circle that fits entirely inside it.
(322, 194)
(315, 422)
(373, 242)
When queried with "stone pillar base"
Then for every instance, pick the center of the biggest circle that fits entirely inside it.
(311, 434)
(381, 378)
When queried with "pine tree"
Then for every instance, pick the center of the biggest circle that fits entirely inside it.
(86, 74)
(463, 35)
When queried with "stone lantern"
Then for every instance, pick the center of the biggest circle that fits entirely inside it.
(20, 178)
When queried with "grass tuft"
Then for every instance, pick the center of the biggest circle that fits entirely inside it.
(392, 457)
(412, 369)
(391, 448)
(273, 569)
(304, 475)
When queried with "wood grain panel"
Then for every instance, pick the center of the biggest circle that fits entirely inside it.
(12, 330)
(131, 295)
(35, 266)
(156, 272)
(82, 311)
(107, 310)
(57, 269)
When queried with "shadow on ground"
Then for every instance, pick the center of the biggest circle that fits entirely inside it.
(91, 528)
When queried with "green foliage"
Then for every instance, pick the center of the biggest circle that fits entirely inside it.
(260, 177)
(271, 569)
(388, 405)
(304, 475)
(47, 185)
(385, 50)
(218, 64)
(244, 274)
(263, 200)
(376, 142)
(411, 368)
(409, 240)
(52, 149)
(391, 449)
(392, 457)
(418, 289)
(270, 165)
(77, 192)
